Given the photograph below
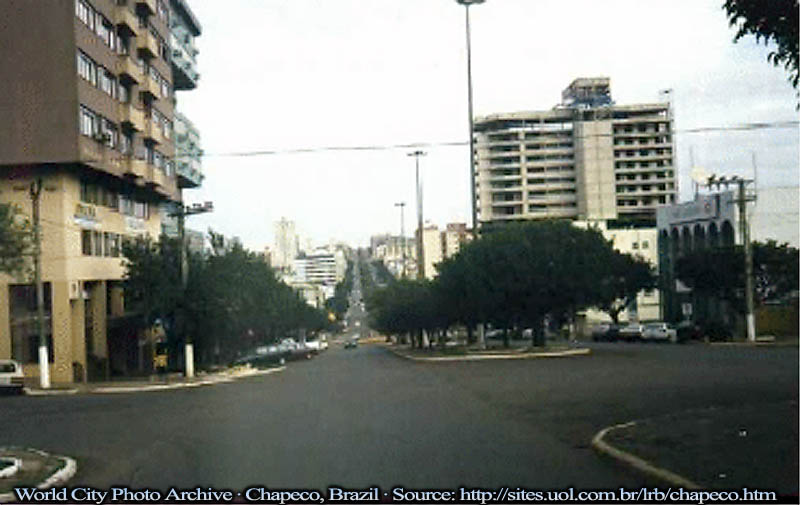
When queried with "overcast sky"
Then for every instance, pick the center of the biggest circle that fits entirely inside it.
(278, 75)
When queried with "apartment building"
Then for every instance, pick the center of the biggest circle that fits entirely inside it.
(184, 28)
(87, 107)
(587, 158)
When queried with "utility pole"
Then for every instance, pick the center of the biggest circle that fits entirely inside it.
(744, 231)
(467, 4)
(402, 206)
(181, 214)
(420, 249)
(44, 364)
(748, 258)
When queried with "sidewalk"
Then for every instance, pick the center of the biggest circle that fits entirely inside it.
(154, 383)
(747, 446)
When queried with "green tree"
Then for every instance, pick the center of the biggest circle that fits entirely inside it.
(152, 277)
(771, 21)
(719, 272)
(16, 240)
(625, 277)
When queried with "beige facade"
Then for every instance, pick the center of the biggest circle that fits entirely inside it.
(585, 159)
(87, 109)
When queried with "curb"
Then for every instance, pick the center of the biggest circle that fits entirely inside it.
(636, 462)
(183, 385)
(11, 470)
(60, 476)
(49, 392)
(220, 379)
(583, 351)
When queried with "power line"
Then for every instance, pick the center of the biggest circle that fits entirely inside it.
(418, 145)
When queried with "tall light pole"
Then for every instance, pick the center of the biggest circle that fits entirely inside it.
(420, 250)
(181, 214)
(402, 206)
(467, 4)
(44, 365)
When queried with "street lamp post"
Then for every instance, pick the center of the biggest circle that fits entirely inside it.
(402, 206)
(420, 250)
(181, 214)
(467, 4)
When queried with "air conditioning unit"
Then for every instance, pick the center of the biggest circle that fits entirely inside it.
(75, 290)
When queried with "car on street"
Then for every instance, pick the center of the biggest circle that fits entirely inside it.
(633, 331)
(11, 376)
(606, 332)
(351, 343)
(659, 332)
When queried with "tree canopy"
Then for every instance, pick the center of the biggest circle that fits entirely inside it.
(16, 240)
(720, 272)
(513, 277)
(233, 300)
(772, 21)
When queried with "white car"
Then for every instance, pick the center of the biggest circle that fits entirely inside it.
(659, 332)
(11, 376)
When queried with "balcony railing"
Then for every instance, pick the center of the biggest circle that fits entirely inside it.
(147, 44)
(128, 69)
(133, 116)
(126, 20)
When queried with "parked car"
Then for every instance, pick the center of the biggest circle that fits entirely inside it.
(11, 376)
(632, 331)
(661, 332)
(264, 356)
(605, 332)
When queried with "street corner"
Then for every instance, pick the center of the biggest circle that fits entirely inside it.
(712, 447)
(601, 444)
(26, 468)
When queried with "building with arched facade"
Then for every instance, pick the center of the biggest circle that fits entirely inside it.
(707, 222)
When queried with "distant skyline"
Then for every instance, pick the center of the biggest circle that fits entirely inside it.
(282, 75)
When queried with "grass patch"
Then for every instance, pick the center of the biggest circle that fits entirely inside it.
(35, 469)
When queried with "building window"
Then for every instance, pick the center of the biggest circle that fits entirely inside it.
(87, 68)
(109, 131)
(97, 239)
(86, 242)
(108, 82)
(88, 122)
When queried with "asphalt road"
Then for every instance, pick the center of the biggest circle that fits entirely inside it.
(363, 417)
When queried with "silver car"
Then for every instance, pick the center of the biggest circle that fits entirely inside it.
(11, 376)
(659, 332)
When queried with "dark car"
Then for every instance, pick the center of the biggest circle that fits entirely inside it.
(605, 333)
(351, 344)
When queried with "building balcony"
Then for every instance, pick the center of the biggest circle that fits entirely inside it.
(132, 116)
(128, 69)
(149, 88)
(554, 198)
(189, 174)
(134, 167)
(146, 7)
(126, 20)
(152, 132)
(184, 71)
(147, 44)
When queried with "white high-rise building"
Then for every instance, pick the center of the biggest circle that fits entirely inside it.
(286, 244)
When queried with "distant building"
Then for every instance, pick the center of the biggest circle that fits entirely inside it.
(286, 244)
(587, 158)
(708, 221)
